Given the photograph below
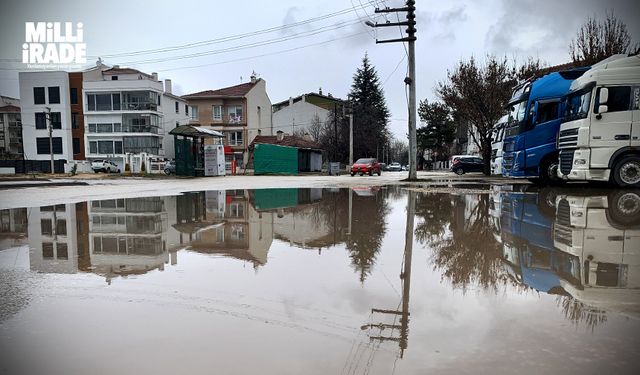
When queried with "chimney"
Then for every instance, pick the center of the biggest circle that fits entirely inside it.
(307, 137)
(155, 76)
(279, 135)
(290, 101)
(116, 66)
(254, 77)
(304, 98)
(320, 91)
(167, 86)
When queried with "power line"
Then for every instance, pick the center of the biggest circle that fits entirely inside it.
(235, 37)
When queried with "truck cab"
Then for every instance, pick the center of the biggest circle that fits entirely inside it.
(601, 231)
(497, 137)
(599, 137)
(535, 112)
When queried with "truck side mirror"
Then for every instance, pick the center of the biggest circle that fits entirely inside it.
(604, 96)
(603, 108)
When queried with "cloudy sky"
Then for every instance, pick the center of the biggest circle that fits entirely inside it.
(219, 43)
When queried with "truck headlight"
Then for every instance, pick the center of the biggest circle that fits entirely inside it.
(576, 213)
(579, 162)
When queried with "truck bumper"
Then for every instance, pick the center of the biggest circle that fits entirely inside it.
(578, 162)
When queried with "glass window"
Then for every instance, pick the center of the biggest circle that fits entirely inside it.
(193, 110)
(117, 127)
(186, 109)
(92, 128)
(116, 101)
(61, 227)
(577, 105)
(76, 146)
(56, 120)
(46, 227)
(74, 120)
(235, 138)
(619, 99)
(42, 145)
(546, 112)
(91, 102)
(54, 95)
(93, 147)
(117, 147)
(103, 102)
(38, 95)
(105, 147)
(47, 250)
(104, 128)
(235, 114)
(41, 120)
(62, 251)
(177, 107)
(73, 94)
(217, 112)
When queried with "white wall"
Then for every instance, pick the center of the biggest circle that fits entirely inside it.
(29, 80)
(298, 117)
(169, 120)
(258, 118)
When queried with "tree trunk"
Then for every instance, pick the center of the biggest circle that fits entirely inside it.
(486, 157)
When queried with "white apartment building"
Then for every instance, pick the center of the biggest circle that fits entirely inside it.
(175, 113)
(10, 126)
(297, 115)
(45, 95)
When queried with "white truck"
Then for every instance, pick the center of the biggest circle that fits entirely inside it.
(599, 139)
(600, 234)
(497, 140)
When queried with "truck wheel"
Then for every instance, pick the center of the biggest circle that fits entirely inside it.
(626, 172)
(624, 209)
(549, 172)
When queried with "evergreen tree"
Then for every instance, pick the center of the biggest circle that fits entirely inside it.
(370, 113)
(437, 130)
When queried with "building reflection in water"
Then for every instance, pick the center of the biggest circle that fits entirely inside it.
(583, 246)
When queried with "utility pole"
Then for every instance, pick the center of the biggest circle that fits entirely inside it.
(48, 116)
(411, 78)
(350, 114)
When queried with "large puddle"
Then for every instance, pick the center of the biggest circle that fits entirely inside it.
(324, 281)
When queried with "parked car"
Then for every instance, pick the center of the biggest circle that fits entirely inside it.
(461, 164)
(104, 166)
(170, 167)
(383, 167)
(394, 167)
(366, 165)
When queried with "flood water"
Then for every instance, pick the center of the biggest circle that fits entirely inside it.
(324, 281)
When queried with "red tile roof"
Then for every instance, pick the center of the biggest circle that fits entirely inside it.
(10, 108)
(237, 91)
(288, 140)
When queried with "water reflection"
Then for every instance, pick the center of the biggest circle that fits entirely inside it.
(583, 246)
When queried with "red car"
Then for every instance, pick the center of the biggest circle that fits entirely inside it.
(366, 165)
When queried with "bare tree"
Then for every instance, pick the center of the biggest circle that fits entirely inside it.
(597, 40)
(477, 95)
(315, 127)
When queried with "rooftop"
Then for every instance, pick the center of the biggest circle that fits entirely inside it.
(237, 91)
(10, 108)
(287, 140)
(119, 70)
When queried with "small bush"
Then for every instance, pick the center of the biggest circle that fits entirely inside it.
(74, 169)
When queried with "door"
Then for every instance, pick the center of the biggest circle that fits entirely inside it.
(541, 138)
(610, 130)
(635, 108)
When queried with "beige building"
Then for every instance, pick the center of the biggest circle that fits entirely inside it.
(240, 112)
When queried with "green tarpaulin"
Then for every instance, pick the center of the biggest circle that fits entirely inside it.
(268, 199)
(272, 159)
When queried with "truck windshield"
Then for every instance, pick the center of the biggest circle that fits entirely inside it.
(577, 105)
(517, 111)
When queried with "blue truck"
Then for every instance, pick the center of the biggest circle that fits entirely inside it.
(535, 113)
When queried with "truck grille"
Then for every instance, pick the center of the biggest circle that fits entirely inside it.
(562, 234)
(568, 138)
(563, 216)
(566, 161)
(507, 161)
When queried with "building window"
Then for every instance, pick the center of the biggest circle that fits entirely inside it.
(193, 110)
(76, 146)
(56, 120)
(150, 145)
(114, 78)
(74, 95)
(38, 95)
(46, 227)
(42, 145)
(177, 124)
(61, 227)
(62, 251)
(47, 250)
(177, 107)
(54, 95)
(235, 139)
(105, 147)
(41, 120)
(235, 114)
(186, 109)
(217, 112)
(74, 120)
(93, 147)
(103, 102)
